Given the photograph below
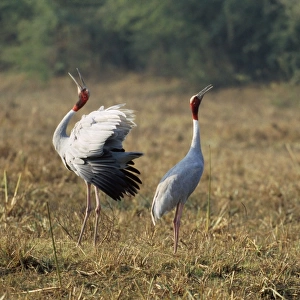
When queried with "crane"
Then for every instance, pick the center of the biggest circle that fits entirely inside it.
(95, 153)
(180, 181)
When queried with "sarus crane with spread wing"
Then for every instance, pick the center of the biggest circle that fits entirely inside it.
(94, 151)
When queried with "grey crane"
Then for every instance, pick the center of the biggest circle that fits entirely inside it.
(94, 151)
(180, 181)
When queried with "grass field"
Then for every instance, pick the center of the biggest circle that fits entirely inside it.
(252, 247)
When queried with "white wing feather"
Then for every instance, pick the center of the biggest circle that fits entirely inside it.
(101, 130)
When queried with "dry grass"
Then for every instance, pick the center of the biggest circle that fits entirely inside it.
(252, 248)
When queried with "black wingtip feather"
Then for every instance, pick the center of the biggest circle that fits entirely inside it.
(134, 170)
(114, 181)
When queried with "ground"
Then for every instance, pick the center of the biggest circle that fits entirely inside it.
(247, 247)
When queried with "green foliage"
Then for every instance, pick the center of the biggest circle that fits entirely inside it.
(30, 44)
(285, 42)
(220, 41)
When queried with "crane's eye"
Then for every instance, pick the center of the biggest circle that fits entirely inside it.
(195, 101)
(84, 94)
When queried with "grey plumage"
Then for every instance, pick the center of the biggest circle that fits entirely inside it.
(180, 181)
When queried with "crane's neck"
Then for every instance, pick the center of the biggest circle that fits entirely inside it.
(60, 133)
(196, 145)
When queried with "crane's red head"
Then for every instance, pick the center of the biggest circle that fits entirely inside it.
(83, 92)
(196, 100)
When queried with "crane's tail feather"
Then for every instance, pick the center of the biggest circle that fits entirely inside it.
(130, 182)
(131, 169)
(114, 189)
(116, 181)
(132, 176)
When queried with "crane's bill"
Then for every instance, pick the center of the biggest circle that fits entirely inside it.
(82, 85)
(81, 78)
(205, 90)
(78, 85)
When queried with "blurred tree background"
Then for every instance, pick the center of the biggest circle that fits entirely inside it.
(222, 41)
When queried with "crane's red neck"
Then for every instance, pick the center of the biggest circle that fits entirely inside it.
(195, 103)
(84, 95)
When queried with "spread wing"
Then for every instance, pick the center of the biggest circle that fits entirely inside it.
(94, 151)
(101, 130)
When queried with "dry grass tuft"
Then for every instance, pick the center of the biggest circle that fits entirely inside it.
(251, 250)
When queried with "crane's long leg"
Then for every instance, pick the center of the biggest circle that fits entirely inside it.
(87, 211)
(97, 214)
(177, 217)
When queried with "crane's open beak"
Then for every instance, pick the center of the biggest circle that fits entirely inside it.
(205, 90)
(82, 86)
